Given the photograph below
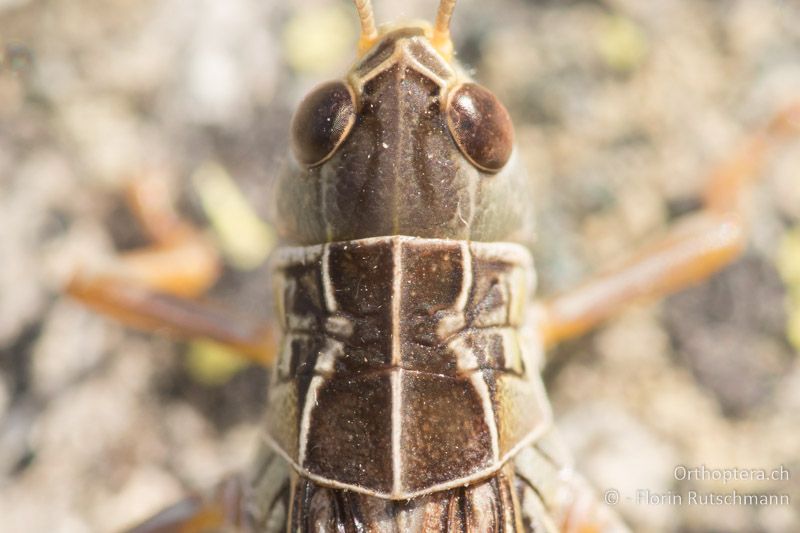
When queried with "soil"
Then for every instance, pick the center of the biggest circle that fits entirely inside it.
(621, 109)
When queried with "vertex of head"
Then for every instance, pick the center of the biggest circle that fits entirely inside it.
(438, 34)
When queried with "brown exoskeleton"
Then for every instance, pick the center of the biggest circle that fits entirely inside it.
(406, 393)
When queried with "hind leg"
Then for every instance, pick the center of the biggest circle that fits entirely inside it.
(155, 288)
(550, 487)
(225, 510)
(272, 484)
(697, 247)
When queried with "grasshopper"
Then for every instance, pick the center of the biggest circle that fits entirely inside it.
(405, 389)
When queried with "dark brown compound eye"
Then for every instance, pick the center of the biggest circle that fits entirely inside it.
(322, 122)
(481, 126)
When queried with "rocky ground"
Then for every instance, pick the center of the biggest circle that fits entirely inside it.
(621, 107)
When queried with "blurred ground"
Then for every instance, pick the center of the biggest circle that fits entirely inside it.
(620, 107)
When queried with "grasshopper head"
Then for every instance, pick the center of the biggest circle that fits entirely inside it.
(405, 144)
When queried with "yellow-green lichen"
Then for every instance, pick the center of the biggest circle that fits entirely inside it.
(789, 266)
(316, 38)
(245, 239)
(622, 43)
(213, 364)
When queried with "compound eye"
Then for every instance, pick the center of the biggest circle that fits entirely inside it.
(481, 126)
(322, 122)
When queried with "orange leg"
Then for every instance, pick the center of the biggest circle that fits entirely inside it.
(582, 511)
(696, 248)
(224, 510)
(181, 261)
(151, 288)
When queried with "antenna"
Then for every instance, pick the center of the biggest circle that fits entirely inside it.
(441, 30)
(369, 32)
